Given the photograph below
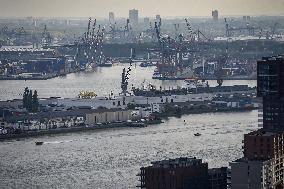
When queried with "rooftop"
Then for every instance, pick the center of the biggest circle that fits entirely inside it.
(261, 132)
(178, 162)
(279, 57)
(22, 49)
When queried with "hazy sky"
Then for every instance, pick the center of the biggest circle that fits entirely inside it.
(100, 8)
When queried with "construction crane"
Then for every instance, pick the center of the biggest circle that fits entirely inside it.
(152, 31)
(89, 46)
(94, 28)
(158, 34)
(190, 31)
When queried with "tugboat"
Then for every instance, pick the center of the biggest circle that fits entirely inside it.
(197, 134)
(39, 143)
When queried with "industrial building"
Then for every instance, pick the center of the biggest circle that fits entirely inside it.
(45, 65)
(24, 53)
(107, 116)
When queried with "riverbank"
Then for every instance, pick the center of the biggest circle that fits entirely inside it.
(41, 77)
(239, 78)
(62, 130)
(165, 115)
(179, 112)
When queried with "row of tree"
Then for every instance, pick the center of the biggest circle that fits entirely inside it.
(30, 100)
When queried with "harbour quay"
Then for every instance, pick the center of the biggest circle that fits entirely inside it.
(57, 115)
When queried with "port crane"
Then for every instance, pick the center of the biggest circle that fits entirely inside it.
(89, 47)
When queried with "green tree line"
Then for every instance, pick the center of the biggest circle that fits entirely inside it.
(30, 100)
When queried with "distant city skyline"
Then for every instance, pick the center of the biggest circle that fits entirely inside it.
(147, 8)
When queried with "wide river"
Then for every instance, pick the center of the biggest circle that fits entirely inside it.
(111, 158)
(102, 81)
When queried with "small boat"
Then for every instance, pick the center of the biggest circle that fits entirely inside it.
(197, 134)
(39, 143)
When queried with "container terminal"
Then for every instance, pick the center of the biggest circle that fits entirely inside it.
(136, 108)
(179, 49)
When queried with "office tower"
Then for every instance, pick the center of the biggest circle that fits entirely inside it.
(246, 18)
(158, 17)
(146, 21)
(215, 15)
(270, 86)
(133, 17)
(111, 17)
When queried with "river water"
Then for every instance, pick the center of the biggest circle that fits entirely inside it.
(102, 81)
(111, 158)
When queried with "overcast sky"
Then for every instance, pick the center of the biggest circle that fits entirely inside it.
(100, 8)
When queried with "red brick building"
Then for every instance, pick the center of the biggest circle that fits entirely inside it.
(180, 173)
(261, 146)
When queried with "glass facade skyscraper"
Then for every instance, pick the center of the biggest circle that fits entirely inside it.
(270, 86)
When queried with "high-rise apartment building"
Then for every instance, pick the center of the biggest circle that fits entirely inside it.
(133, 17)
(182, 173)
(111, 17)
(251, 174)
(263, 163)
(146, 21)
(175, 173)
(215, 15)
(266, 147)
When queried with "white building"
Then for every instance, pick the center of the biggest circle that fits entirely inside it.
(106, 116)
